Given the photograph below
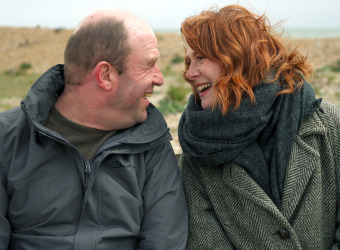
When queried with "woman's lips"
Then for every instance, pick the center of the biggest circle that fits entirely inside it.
(203, 87)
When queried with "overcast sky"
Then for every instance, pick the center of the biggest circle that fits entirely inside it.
(165, 14)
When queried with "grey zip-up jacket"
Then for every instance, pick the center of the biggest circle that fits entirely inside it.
(129, 196)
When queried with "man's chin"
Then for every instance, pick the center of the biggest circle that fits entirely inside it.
(142, 116)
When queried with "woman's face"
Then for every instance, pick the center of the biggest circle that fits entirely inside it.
(203, 74)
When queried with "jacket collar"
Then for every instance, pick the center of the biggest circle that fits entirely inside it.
(40, 99)
(46, 90)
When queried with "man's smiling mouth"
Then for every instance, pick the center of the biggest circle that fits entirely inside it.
(147, 95)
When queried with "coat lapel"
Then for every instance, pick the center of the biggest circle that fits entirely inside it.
(303, 160)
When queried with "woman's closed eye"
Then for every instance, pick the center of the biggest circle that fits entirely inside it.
(187, 61)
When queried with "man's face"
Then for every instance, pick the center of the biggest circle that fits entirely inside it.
(140, 76)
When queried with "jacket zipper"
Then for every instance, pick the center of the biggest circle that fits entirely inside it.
(87, 173)
(87, 169)
(87, 164)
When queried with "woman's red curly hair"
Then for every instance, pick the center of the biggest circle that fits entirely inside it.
(247, 48)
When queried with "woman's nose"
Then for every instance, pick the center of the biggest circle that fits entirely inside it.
(191, 72)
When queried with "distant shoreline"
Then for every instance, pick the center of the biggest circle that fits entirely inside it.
(294, 33)
(312, 33)
(288, 32)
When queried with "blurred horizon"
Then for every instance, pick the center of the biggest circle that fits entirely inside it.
(314, 14)
(288, 32)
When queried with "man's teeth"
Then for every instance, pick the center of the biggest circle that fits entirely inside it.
(204, 86)
(146, 95)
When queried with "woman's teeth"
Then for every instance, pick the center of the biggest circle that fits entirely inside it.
(147, 95)
(204, 86)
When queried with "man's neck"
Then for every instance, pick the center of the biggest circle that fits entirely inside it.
(76, 105)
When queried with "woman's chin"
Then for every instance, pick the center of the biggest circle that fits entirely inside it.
(206, 105)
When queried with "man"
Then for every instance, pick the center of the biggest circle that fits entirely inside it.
(86, 163)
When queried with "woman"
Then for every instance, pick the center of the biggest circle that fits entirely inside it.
(261, 156)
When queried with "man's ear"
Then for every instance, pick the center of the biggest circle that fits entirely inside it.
(105, 75)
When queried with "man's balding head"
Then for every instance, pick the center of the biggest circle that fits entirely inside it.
(101, 36)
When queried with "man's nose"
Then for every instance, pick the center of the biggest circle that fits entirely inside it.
(158, 78)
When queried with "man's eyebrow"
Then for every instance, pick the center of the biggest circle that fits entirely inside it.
(153, 60)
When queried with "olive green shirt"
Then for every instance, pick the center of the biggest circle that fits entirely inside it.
(87, 140)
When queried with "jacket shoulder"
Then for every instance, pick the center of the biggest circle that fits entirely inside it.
(12, 130)
(330, 117)
(325, 120)
(10, 120)
(329, 114)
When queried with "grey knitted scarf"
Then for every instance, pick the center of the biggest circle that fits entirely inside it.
(257, 137)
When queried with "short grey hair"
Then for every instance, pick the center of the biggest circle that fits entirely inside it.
(105, 40)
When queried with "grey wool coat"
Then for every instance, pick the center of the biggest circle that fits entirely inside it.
(228, 209)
